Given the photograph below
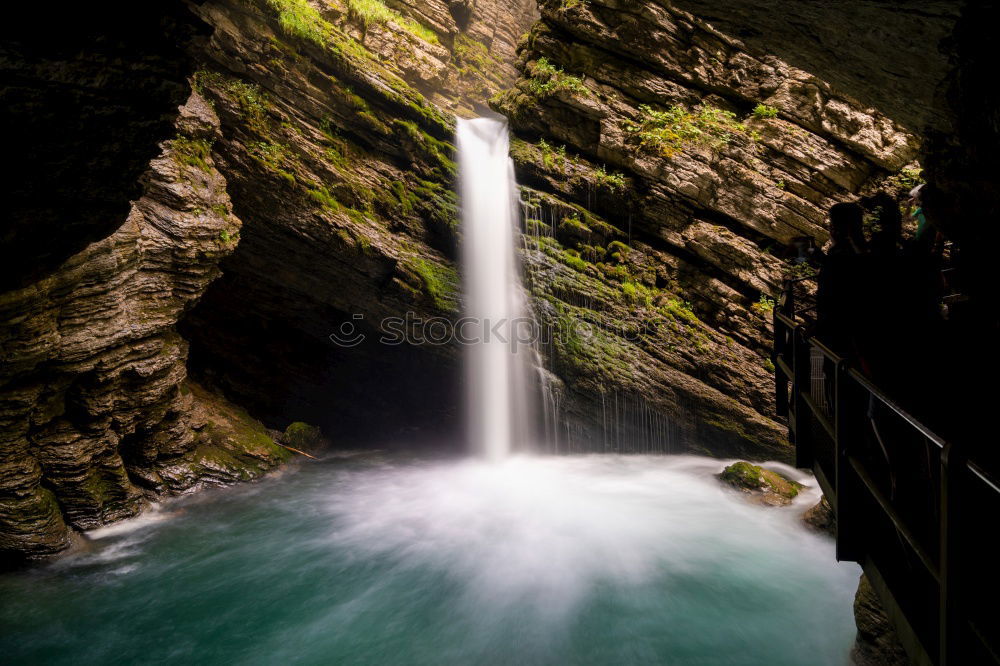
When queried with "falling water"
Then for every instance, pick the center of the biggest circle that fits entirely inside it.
(497, 390)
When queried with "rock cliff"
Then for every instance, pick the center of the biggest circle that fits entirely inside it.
(337, 145)
(665, 170)
(95, 410)
(314, 152)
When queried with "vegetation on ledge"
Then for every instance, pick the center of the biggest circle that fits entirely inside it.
(375, 12)
(547, 79)
(192, 152)
(668, 132)
(541, 80)
(353, 61)
(765, 111)
(302, 436)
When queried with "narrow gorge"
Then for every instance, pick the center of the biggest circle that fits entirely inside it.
(242, 246)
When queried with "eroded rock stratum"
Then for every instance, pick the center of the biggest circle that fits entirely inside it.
(95, 408)
(665, 169)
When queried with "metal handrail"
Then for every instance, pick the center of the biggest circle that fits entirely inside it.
(933, 568)
(888, 402)
(792, 350)
(984, 477)
(819, 415)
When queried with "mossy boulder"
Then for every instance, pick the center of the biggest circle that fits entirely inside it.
(302, 436)
(765, 486)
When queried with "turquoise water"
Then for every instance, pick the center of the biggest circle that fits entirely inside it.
(388, 560)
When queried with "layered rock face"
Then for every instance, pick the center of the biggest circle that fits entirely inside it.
(91, 91)
(931, 67)
(877, 643)
(94, 408)
(341, 167)
(337, 148)
(664, 168)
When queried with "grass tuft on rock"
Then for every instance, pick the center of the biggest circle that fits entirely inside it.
(375, 12)
(547, 79)
(300, 19)
(192, 152)
(765, 111)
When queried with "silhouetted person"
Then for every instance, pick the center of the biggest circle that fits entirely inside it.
(847, 229)
(889, 344)
(885, 240)
(841, 280)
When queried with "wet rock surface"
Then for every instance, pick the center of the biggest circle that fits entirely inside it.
(314, 148)
(309, 182)
(338, 153)
(705, 201)
(821, 518)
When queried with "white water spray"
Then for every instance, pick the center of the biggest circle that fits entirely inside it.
(497, 391)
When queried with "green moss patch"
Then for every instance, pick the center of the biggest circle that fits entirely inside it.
(233, 446)
(668, 132)
(302, 436)
(440, 283)
(375, 12)
(754, 478)
(192, 152)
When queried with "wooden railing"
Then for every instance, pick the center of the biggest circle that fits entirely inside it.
(911, 508)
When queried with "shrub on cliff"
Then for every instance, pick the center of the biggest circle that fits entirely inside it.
(765, 111)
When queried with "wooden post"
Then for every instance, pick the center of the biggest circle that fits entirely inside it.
(802, 418)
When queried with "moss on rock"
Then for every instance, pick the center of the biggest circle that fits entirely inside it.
(772, 488)
(231, 446)
(302, 436)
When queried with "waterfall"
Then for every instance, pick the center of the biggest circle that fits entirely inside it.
(497, 387)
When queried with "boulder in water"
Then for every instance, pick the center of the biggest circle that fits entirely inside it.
(764, 486)
(303, 437)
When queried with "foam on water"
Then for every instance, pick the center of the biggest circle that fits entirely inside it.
(588, 559)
